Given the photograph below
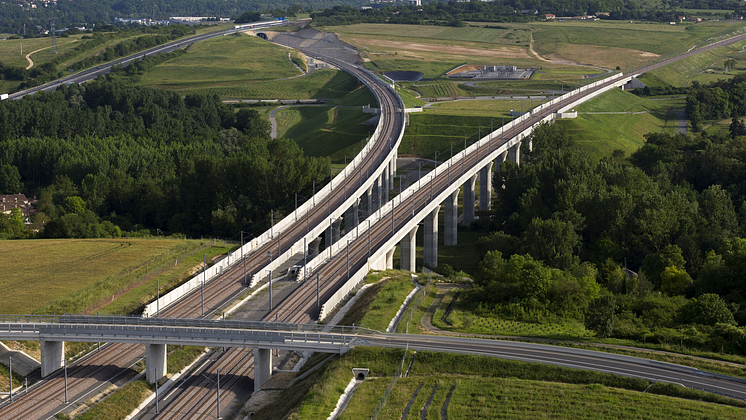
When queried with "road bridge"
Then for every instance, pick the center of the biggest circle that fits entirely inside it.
(266, 336)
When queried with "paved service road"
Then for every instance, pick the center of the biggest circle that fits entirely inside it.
(573, 358)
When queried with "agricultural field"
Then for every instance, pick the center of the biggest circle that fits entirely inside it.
(326, 130)
(434, 50)
(74, 275)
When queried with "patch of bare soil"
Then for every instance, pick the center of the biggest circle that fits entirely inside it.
(410, 47)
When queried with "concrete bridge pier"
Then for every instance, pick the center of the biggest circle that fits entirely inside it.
(332, 234)
(52, 356)
(262, 367)
(469, 197)
(365, 203)
(451, 233)
(392, 172)
(375, 200)
(313, 248)
(485, 187)
(514, 153)
(409, 250)
(155, 362)
(431, 238)
(390, 259)
(498, 164)
(351, 218)
(336, 230)
(385, 179)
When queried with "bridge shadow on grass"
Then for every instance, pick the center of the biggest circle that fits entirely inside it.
(339, 86)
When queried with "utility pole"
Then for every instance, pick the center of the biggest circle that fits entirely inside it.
(368, 238)
(54, 40)
(244, 260)
(156, 391)
(65, 380)
(157, 297)
(270, 280)
(218, 392)
(10, 368)
(202, 289)
(318, 306)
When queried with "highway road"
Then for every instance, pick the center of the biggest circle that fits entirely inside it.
(45, 398)
(93, 72)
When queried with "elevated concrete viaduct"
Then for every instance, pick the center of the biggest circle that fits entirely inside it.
(418, 207)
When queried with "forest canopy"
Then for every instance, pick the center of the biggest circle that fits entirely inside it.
(142, 158)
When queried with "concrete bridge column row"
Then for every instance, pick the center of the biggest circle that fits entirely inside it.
(408, 244)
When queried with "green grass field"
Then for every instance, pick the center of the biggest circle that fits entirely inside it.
(71, 275)
(430, 132)
(488, 388)
(10, 50)
(379, 303)
(328, 130)
(249, 67)
(223, 60)
(682, 72)
(601, 134)
(476, 397)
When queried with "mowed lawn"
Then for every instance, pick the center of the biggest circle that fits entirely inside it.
(38, 272)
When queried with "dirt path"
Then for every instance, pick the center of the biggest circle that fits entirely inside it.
(565, 62)
(531, 49)
(28, 57)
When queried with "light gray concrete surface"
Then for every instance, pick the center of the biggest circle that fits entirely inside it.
(23, 364)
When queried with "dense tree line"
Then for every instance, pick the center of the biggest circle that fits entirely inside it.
(455, 13)
(138, 157)
(568, 230)
(716, 101)
(79, 12)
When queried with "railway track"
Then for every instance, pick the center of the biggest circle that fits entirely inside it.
(44, 398)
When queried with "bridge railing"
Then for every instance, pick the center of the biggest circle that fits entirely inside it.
(280, 327)
(483, 145)
(236, 257)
